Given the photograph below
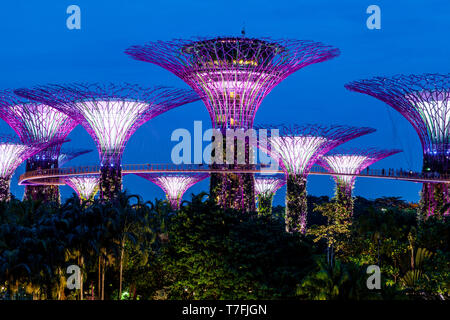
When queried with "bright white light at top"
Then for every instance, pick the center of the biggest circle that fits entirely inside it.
(434, 109)
(175, 186)
(351, 164)
(296, 152)
(85, 187)
(11, 156)
(111, 121)
(267, 185)
(41, 122)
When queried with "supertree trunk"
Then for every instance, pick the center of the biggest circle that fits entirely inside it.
(4, 189)
(434, 197)
(110, 182)
(296, 204)
(265, 204)
(343, 197)
(233, 190)
(45, 193)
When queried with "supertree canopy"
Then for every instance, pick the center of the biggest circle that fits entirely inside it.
(265, 189)
(12, 154)
(36, 123)
(297, 148)
(233, 75)
(86, 187)
(174, 185)
(424, 101)
(111, 114)
(350, 162)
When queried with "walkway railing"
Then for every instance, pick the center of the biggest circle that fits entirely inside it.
(52, 176)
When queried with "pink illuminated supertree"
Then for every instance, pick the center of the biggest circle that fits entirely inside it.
(424, 100)
(110, 114)
(297, 148)
(12, 153)
(232, 75)
(174, 185)
(265, 189)
(36, 123)
(86, 187)
(350, 162)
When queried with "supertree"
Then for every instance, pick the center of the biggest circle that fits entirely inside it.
(12, 153)
(110, 113)
(35, 123)
(232, 75)
(424, 101)
(351, 162)
(265, 189)
(67, 155)
(297, 148)
(86, 187)
(174, 185)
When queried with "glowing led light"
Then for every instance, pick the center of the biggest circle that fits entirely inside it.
(174, 185)
(85, 186)
(268, 185)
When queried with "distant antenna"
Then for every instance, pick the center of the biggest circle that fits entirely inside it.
(243, 30)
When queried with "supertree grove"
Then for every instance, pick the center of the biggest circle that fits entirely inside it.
(86, 187)
(350, 162)
(110, 113)
(174, 185)
(233, 75)
(265, 189)
(36, 123)
(424, 101)
(297, 148)
(12, 153)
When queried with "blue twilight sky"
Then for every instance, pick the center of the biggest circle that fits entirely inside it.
(37, 48)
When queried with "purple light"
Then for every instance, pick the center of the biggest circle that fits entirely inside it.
(233, 75)
(86, 187)
(298, 147)
(267, 185)
(351, 161)
(174, 185)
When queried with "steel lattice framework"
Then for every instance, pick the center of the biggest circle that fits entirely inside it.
(12, 153)
(268, 185)
(352, 161)
(174, 185)
(110, 113)
(35, 122)
(297, 148)
(86, 187)
(424, 101)
(232, 74)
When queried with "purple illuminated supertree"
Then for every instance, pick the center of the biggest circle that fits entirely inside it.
(36, 123)
(12, 153)
(86, 187)
(67, 155)
(174, 185)
(110, 114)
(265, 189)
(233, 75)
(297, 148)
(350, 161)
(424, 101)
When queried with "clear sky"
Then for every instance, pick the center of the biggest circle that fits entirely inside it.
(37, 48)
